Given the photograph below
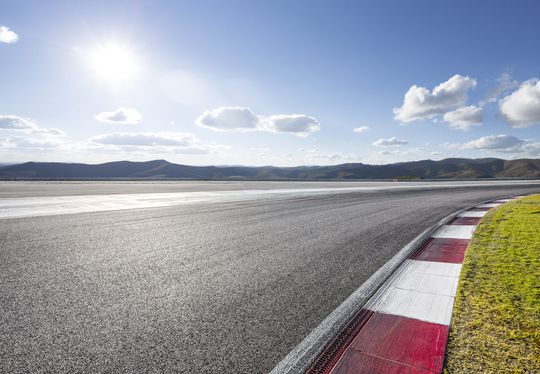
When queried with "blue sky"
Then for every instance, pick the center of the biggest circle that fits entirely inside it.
(276, 82)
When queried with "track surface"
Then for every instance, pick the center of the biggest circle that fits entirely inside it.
(205, 287)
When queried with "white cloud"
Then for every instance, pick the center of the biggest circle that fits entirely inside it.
(420, 104)
(464, 118)
(297, 124)
(147, 139)
(228, 119)
(156, 142)
(522, 107)
(393, 141)
(24, 136)
(50, 131)
(11, 122)
(505, 144)
(7, 36)
(494, 142)
(125, 116)
(31, 143)
(531, 149)
(243, 119)
(16, 123)
(361, 129)
(505, 83)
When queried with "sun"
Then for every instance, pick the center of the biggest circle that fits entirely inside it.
(114, 63)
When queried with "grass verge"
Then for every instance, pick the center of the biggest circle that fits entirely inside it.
(496, 318)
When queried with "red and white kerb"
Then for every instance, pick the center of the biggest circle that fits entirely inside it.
(406, 323)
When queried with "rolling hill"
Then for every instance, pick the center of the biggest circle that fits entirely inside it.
(451, 168)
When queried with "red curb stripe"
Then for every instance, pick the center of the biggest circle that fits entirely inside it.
(404, 340)
(442, 250)
(332, 354)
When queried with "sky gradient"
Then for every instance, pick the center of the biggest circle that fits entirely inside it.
(276, 82)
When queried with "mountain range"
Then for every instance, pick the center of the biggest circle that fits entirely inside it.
(450, 168)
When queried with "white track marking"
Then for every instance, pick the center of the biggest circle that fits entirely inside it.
(455, 232)
(55, 205)
(473, 213)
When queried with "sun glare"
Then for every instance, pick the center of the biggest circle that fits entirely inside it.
(114, 63)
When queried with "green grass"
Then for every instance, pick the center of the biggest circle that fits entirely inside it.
(496, 321)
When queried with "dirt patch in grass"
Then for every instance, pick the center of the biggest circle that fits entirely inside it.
(496, 319)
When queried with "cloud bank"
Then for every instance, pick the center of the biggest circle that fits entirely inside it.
(124, 116)
(243, 119)
(21, 142)
(157, 142)
(25, 135)
(420, 104)
(505, 144)
(497, 142)
(16, 123)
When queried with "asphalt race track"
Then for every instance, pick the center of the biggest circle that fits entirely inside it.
(226, 283)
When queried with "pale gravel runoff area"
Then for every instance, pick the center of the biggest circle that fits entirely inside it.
(213, 286)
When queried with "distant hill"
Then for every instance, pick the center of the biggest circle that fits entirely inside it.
(450, 168)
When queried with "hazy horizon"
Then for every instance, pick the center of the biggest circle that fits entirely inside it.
(254, 166)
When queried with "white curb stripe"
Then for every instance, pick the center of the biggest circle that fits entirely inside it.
(489, 205)
(429, 277)
(422, 290)
(442, 269)
(425, 290)
(430, 284)
(477, 214)
(421, 306)
(455, 232)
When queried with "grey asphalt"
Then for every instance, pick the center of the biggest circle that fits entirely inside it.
(228, 287)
